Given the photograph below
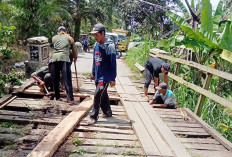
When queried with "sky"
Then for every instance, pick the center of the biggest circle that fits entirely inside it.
(213, 2)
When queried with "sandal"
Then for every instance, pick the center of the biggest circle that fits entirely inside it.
(72, 103)
(91, 121)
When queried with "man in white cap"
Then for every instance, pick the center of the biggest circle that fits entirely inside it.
(103, 72)
(62, 63)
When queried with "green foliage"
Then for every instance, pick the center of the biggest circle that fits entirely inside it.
(80, 150)
(139, 54)
(76, 141)
(10, 125)
(11, 79)
(206, 16)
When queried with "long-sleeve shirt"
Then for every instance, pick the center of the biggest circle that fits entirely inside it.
(104, 62)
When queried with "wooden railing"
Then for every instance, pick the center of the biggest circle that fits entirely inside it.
(202, 90)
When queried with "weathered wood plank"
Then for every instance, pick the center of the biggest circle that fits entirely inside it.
(144, 137)
(111, 120)
(198, 134)
(207, 146)
(189, 125)
(185, 129)
(17, 119)
(125, 81)
(140, 67)
(109, 125)
(170, 138)
(210, 130)
(130, 90)
(210, 153)
(199, 140)
(128, 97)
(119, 89)
(110, 143)
(52, 141)
(154, 134)
(109, 136)
(104, 130)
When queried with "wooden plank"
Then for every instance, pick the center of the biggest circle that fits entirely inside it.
(110, 150)
(17, 113)
(130, 89)
(125, 81)
(109, 125)
(207, 146)
(162, 146)
(110, 143)
(216, 72)
(140, 67)
(182, 129)
(192, 134)
(119, 89)
(211, 131)
(170, 138)
(9, 137)
(199, 140)
(128, 97)
(8, 101)
(52, 141)
(211, 153)
(109, 136)
(26, 84)
(189, 125)
(20, 120)
(202, 91)
(144, 137)
(95, 155)
(104, 130)
(111, 120)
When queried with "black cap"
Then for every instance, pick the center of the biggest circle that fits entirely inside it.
(162, 86)
(61, 28)
(97, 28)
(166, 66)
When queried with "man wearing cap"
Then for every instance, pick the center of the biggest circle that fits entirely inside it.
(103, 72)
(163, 98)
(43, 76)
(153, 67)
(62, 63)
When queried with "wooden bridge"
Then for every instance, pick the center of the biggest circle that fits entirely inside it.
(51, 128)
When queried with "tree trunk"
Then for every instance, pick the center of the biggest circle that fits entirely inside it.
(77, 29)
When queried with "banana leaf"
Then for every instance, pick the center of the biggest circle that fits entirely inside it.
(206, 16)
(226, 40)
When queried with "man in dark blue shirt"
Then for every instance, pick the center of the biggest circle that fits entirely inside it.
(153, 67)
(103, 72)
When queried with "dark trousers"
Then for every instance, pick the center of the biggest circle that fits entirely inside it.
(101, 100)
(64, 68)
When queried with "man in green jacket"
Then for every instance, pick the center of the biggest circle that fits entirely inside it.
(61, 63)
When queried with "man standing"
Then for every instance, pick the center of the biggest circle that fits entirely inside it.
(163, 98)
(61, 63)
(153, 67)
(103, 72)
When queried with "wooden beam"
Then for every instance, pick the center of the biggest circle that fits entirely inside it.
(176, 73)
(210, 130)
(201, 99)
(202, 91)
(63, 94)
(52, 141)
(225, 75)
(140, 67)
(8, 101)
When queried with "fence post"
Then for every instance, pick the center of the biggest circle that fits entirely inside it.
(176, 73)
(201, 99)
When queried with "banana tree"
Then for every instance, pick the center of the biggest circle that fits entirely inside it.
(203, 40)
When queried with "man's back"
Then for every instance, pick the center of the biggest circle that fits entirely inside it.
(154, 65)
